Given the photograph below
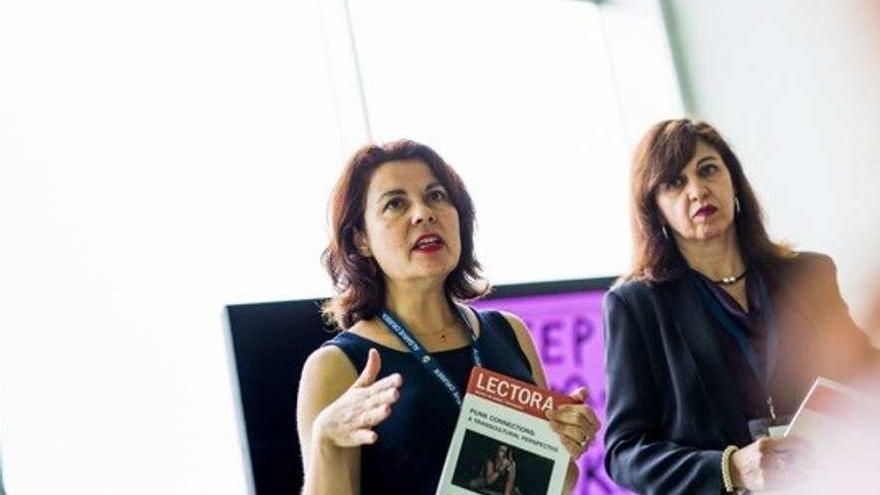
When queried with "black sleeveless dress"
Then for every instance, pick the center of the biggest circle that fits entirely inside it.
(409, 454)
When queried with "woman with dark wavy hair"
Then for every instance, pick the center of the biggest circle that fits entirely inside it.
(717, 333)
(378, 403)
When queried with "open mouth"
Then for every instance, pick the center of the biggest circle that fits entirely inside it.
(428, 243)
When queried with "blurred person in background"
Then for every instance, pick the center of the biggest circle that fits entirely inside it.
(372, 414)
(717, 333)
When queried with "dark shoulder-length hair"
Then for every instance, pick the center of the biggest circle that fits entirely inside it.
(660, 157)
(358, 280)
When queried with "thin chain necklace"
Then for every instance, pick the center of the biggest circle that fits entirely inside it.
(443, 333)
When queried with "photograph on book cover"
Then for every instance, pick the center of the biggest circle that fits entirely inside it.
(491, 467)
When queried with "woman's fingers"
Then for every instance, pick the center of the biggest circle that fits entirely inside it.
(772, 462)
(393, 380)
(576, 439)
(791, 445)
(376, 400)
(577, 415)
(364, 405)
(370, 371)
(580, 394)
(381, 397)
(373, 416)
(790, 456)
(576, 434)
(573, 414)
(574, 449)
(364, 436)
(593, 419)
(383, 392)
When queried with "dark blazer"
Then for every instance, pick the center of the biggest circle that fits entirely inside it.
(673, 405)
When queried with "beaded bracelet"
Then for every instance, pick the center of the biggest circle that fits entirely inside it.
(725, 468)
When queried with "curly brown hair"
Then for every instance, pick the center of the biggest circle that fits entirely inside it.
(358, 280)
(661, 155)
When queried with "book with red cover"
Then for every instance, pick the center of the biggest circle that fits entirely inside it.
(502, 443)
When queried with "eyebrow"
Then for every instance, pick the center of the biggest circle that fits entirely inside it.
(393, 192)
(401, 192)
(706, 158)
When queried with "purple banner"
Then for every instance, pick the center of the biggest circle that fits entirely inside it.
(567, 331)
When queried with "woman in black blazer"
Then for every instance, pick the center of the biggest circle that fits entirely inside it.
(717, 333)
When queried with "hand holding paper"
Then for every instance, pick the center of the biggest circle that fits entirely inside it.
(770, 463)
(576, 424)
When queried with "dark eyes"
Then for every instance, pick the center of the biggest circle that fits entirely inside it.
(675, 183)
(399, 202)
(707, 170)
(394, 203)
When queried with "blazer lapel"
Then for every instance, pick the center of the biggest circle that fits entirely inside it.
(698, 331)
(797, 316)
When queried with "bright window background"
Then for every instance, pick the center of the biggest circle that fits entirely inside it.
(159, 160)
(529, 116)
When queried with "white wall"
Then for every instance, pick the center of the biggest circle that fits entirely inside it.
(795, 87)
(159, 160)
(150, 159)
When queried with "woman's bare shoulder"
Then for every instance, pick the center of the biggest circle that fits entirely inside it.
(327, 373)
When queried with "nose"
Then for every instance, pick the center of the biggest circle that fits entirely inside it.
(697, 190)
(423, 213)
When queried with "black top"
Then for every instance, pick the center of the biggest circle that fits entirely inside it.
(751, 323)
(673, 401)
(408, 457)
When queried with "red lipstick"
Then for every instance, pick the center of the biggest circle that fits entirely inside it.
(428, 243)
(706, 211)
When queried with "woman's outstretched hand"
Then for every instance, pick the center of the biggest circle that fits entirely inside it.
(349, 420)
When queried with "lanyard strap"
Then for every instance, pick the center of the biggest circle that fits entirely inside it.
(424, 357)
(734, 330)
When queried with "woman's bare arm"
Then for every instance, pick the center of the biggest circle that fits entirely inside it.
(326, 375)
(336, 413)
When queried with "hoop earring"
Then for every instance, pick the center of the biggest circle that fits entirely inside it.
(665, 233)
(736, 207)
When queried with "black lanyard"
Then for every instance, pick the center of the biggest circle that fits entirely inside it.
(420, 353)
(748, 351)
